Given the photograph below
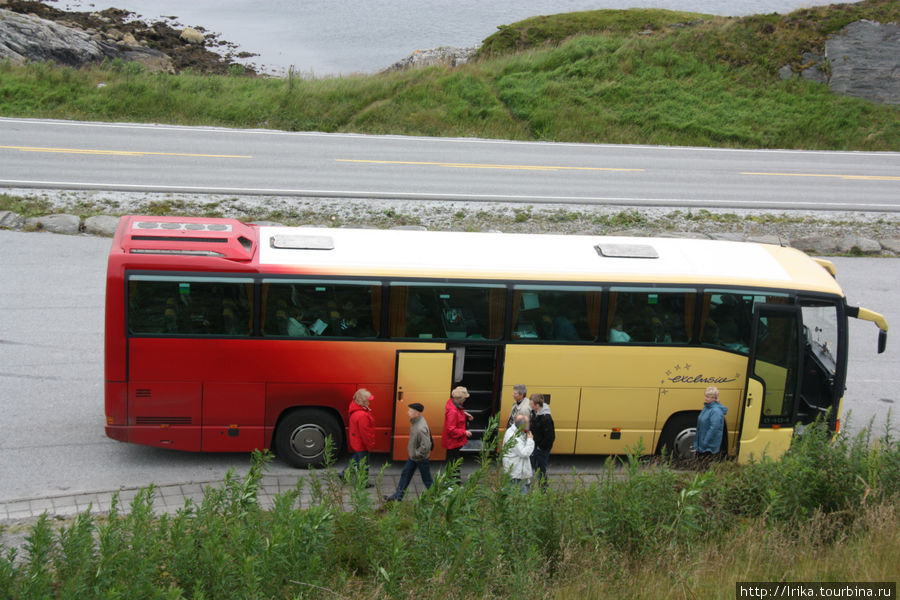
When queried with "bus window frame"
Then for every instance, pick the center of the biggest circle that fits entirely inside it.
(388, 300)
(607, 319)
(529, 287)
(189, 277)
(790, 295)
(336, 281)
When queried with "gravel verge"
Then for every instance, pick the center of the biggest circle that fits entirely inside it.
(871, 234)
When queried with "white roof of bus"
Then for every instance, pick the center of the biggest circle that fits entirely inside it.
(405, 253)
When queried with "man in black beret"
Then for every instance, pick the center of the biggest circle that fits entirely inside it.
(419, 449)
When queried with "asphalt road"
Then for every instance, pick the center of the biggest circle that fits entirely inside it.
(51, 372)
(161, 158)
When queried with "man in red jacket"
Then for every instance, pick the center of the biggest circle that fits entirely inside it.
(362, 432)
(455, 434)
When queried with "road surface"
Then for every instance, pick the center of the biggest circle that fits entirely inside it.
(169, 159)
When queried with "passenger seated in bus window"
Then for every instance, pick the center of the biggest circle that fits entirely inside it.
(280, 322)
(295, 326)
(710, 333)
(730, 338)
(660, 335)
(171, 321)
(344, 320)
(560, 328)
(617, 332)
(229, 324)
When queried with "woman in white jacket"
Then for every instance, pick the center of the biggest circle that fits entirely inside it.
(518, 444)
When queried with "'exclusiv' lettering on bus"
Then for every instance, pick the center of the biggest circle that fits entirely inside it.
(700, 379)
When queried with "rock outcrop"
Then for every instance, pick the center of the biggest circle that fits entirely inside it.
(865, 61)
(862, 61)
(444, 55)
(29, 38)
(80, 38)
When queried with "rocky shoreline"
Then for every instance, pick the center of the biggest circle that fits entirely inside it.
(34, 31)
(827, 234)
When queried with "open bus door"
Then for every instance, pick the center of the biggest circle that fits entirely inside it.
(423, 376)
(773, 383)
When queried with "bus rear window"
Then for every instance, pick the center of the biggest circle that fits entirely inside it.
(166, 305)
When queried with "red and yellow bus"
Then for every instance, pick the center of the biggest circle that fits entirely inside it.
(228, 337)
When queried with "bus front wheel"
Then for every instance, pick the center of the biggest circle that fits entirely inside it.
(677, 439)
(300, 437)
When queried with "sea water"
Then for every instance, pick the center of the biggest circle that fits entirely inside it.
(338, 37)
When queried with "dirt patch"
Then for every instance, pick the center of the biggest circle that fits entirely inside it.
(115, 24)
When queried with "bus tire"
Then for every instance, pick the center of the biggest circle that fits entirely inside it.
(677, 439)
(300, 437)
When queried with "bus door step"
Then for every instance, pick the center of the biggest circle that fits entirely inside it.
(472, 446)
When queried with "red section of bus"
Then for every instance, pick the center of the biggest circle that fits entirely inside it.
(138, 248)
(239, 402)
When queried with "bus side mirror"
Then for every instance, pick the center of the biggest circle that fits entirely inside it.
(882, 340)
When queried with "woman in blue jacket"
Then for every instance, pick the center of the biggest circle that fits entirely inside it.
(710, 424)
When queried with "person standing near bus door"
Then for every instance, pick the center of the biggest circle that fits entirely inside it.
(455, 434)
(419, 450)
(544, 432)
(710, 425)
(362, 432)
(518, 445)
(521, 404)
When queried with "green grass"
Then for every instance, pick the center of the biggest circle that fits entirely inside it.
(636, 76)
(828, 511)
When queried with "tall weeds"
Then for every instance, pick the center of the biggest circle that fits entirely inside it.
(642, 529)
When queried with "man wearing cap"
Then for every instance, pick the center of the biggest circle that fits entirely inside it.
(455, 434)
(419, 449)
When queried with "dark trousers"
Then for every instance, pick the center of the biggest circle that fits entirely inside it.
(539, 461)
(453, 454)
(409, 469)
(357, 458)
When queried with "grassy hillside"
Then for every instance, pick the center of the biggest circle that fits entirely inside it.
(636, 76)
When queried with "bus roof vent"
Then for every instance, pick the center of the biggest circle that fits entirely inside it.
(180, 226)
(190, 236)
(626, 250)
(302, 242)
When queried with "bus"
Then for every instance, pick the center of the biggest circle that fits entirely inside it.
(223, 336)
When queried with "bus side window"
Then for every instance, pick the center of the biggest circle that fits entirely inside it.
(727, 318)
(447, 311)
(300, 309)
(165, 305)
(663, 316)
(216, 307)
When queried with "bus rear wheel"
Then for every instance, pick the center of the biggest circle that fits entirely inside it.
(677, 439)
(300, 437)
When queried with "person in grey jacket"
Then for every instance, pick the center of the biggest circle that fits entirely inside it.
(419, 449)
(521, 405)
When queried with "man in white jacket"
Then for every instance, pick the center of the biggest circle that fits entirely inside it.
(518, 444)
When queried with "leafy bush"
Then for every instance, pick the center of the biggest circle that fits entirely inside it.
(639, 522)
